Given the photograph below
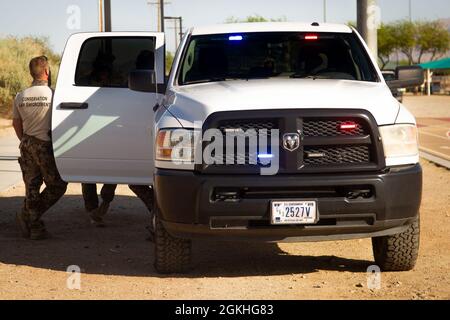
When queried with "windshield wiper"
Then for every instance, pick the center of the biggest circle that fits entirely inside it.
(215, 79)
(301, 76)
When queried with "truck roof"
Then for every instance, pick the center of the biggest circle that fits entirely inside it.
(271, 27)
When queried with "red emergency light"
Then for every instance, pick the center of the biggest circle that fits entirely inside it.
(348, 126)
(311, 37)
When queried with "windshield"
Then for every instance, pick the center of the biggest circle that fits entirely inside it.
(220, 57)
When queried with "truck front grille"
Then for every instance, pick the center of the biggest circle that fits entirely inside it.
(247, 124)
(336, 155)
(323, 145)
(230, 126)
(330, 128)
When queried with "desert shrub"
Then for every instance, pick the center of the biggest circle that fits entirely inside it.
(15, 54)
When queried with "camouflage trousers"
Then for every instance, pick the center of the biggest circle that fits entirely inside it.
(107, 193)
(90, 197)
(38, 166)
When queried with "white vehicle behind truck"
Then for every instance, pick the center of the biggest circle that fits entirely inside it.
(319, 147)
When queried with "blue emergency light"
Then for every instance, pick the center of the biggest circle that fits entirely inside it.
(235, 38)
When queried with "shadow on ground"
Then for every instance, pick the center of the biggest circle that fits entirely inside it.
(121, 248)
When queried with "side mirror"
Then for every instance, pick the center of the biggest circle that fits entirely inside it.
(142, 80)
(407, 76)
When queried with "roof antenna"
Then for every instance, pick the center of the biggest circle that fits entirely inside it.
(315, 24)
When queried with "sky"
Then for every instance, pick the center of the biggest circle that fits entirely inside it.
(52, 18)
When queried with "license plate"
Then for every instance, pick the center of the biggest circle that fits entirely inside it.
(294, 212)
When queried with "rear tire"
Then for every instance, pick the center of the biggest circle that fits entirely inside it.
(172, 255)
(397, 252)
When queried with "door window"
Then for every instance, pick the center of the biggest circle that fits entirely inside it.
(106, 62)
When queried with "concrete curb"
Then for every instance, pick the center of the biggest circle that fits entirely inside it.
(434, 158)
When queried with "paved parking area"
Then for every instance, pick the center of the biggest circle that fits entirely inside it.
(433, 120)
(434, 134)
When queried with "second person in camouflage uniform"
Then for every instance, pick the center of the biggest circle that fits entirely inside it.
(107, 193)
(31, 121)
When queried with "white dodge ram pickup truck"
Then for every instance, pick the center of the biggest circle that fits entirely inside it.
(263, 131)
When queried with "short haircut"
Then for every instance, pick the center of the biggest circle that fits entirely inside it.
(38, 66)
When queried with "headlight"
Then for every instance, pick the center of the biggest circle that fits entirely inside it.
(399, 140)
(176, 145)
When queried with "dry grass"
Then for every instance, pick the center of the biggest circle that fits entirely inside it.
(15, 54)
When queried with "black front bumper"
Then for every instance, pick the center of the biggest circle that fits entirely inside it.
(238, 206)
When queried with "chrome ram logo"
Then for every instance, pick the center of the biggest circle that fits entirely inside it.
(291, 141)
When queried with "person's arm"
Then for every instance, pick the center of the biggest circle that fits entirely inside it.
(17, 120)
(18, 128)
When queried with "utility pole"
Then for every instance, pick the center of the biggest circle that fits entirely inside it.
(175, 27)
(176, 33)
(100, 15)
(410, 11)
(108, 22)
(104, 16)
(324, 10)
(160, 10)
(161, 14)
(368, 16)
(179, 29)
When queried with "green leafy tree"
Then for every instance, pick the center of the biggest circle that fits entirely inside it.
(432, 38)
(416, 39)
(254, 18)
(387, 43)
(405, 35)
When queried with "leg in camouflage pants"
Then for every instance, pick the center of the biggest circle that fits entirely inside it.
(90, 194)
(145, 193)
(107, 193)
(38, 165)
(90, 197)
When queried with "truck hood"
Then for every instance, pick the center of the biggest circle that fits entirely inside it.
(196, 102)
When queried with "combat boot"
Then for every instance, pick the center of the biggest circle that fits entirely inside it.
(98, 214)
(23, 222)
(38, 231)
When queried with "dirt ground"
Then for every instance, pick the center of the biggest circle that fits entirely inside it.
(117, 262)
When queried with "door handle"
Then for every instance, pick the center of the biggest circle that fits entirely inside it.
(73, 105)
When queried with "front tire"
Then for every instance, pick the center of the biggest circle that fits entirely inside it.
(172, 255)
(397, 252)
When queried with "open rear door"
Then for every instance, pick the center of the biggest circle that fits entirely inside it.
(101, 130)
